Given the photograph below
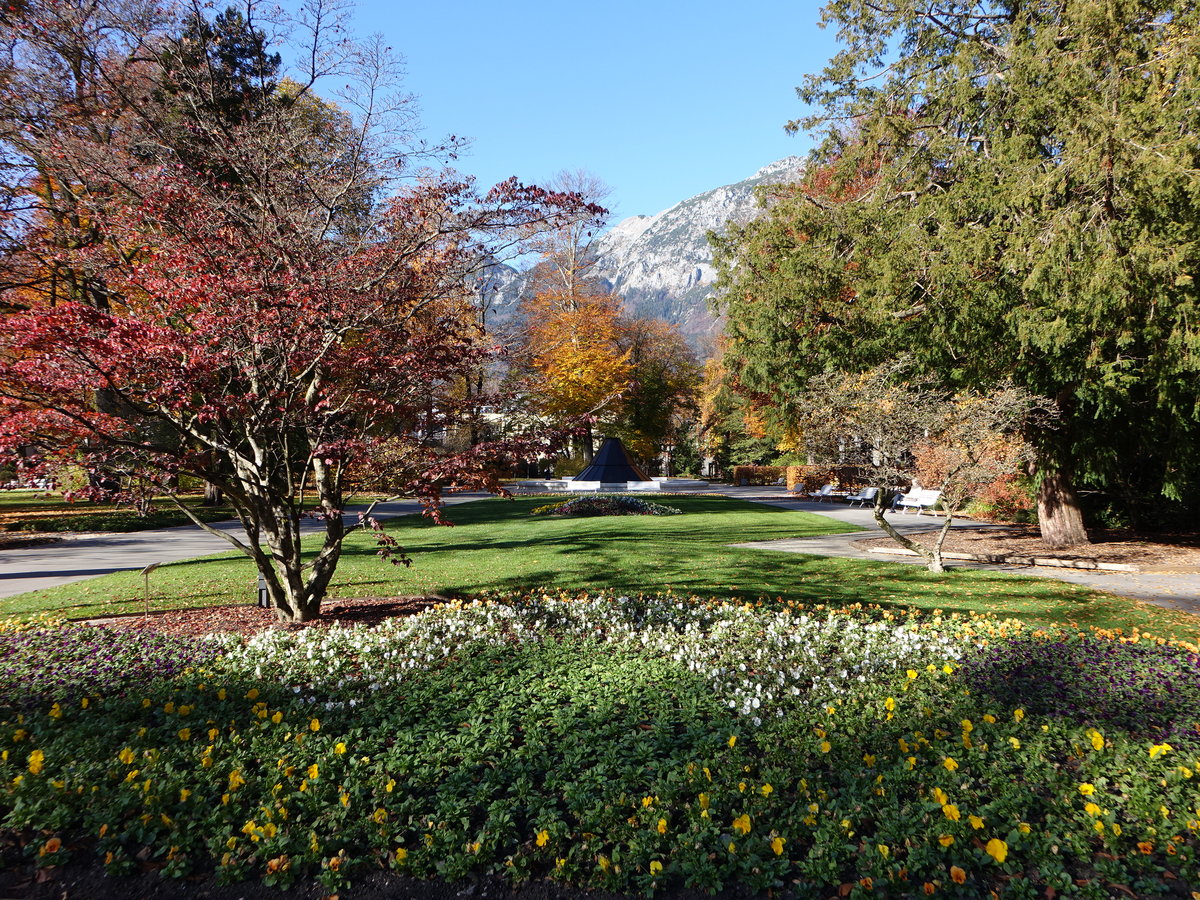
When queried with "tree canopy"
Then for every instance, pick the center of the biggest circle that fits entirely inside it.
(267, 308)
(1004, 189)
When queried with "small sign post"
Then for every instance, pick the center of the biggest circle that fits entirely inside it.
(264, 598)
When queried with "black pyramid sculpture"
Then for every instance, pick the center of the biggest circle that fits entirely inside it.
(612, 464)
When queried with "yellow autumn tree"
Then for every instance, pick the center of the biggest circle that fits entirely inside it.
(576, 361)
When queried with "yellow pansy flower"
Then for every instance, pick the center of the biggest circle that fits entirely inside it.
(975, 821)
(946, 840)
(777, 846)
(742, 824)
(1087, 789)
(655, 867)
(543, 837)
(950, 764)
(997, 850)
(950, 811)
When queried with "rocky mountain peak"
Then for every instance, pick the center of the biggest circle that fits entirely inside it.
(662, 264)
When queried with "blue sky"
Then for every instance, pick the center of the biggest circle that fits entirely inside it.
(661, 100)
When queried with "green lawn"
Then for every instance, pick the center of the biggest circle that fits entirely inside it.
(496, 545)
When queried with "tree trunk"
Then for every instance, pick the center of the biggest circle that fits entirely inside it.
(295, 589)
(212, 495)
(932, 557)
(1059, 515)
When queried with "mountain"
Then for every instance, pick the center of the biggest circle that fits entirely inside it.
(662, 264)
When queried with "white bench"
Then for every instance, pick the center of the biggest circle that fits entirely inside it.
(920, 500)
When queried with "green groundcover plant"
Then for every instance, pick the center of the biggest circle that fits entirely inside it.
(630, 744)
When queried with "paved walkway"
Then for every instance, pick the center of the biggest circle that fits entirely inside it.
(85, 556)
(1174, 589)
(76, 558)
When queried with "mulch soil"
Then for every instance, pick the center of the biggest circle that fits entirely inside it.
(246, 620)
(1173, 552)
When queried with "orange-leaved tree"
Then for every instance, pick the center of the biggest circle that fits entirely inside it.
(577, 364)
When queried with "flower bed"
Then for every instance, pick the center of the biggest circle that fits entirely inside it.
(623, 743)
(605, 505)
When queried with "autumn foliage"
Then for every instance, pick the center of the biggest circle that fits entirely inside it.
(268, 310)
(577, 361)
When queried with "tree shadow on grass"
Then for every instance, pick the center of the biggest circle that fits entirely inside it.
(805, 579)
(605, 554)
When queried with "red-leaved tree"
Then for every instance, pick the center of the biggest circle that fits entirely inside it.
(272, 322)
